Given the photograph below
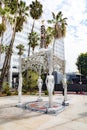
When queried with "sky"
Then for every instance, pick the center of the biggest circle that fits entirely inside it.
(76, 35)
(76, 39)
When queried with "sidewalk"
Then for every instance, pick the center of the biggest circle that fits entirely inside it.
(74, 117)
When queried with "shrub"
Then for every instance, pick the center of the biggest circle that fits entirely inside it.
(46, 92)
(6, 89)
(24, 91)
(8, 93)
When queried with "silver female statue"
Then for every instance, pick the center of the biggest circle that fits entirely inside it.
(50, 87)
(40, 83)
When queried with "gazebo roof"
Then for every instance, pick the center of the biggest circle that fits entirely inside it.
(41, 60)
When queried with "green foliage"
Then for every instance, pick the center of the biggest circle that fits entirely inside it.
(19, 23)
(36, 9)
(82, 63)
(12, 4)
(16, 93)
(33, 39)
(2, 48)
(8, 93)
(46, 92)
(2, 28)
(5, 86)
(59, 25)
(6, 89)
(24, 90)
(30, 80)
(48, 36)
(21, 49)
(35, 12)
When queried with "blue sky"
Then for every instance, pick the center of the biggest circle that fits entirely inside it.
(76, 36)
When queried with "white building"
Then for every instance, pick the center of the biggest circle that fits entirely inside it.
(59, 48)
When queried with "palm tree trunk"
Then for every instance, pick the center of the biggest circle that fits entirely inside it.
(7, 60)
(33, 26)
(31, 33)
(29, 51)
(0, 45)
(2, 33)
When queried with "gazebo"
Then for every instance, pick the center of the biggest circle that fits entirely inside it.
(43, 59)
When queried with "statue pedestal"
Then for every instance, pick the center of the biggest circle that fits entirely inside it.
(39, 99)
(65, 103)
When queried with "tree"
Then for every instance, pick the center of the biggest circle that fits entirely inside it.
(2, 49)
(33, 39)
(59, 27)
(35, 12)
(31, 84)
(48, 36)
(18, 14)
(22, 17)
(82, 63)
(21, 49)
(3, 12)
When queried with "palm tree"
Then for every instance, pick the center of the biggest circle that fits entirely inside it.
(35, 12)
(20, 47)
(2, 24)
(48, 36)
(23, 12)
(18, 14)
(59, 27)
(33, 40)
(2, 48)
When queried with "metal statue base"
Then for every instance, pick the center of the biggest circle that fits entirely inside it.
(19, 104)
(39, 99)
(65, 103)
(43, 107)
